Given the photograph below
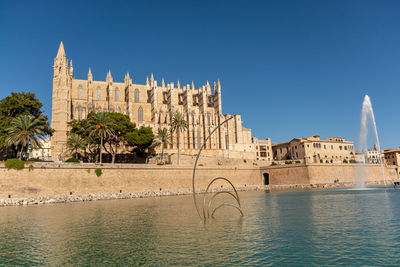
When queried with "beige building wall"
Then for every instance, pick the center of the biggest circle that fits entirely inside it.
(152, 104)
(313, 149)
(392, 156)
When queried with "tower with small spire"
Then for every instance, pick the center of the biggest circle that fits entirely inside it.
(61, 102)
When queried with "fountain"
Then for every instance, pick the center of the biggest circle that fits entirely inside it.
(367, 115)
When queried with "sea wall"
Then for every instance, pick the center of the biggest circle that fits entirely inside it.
(79, 179)
(62, 179)
(328, 174)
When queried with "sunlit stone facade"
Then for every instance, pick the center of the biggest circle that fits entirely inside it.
(150, 104)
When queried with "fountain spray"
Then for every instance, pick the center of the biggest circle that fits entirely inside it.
(368, 113)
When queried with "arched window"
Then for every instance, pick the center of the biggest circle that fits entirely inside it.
(198, 138)
(161, 117)
(140, 114)
(208, 119)
(137, 95)
(192, 118)
(98, 95)
(79, 113)
(116, 96)
(80, 92)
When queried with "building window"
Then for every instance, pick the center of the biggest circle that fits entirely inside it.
(227, 142)
(137, 95)
(198, 138)
(80, 92)
(79, 113)
(140, 114)
(116, 96)
(98, 95)
(194, 139)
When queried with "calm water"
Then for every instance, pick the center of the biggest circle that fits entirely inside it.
(289, 228)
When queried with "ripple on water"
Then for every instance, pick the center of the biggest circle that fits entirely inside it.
(350, 227)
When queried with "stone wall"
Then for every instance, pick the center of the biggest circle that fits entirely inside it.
(327, 174)
(61, 179)
(46, 180)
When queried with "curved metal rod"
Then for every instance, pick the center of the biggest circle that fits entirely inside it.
(216, 194)
(195, 164)
(227, 204)
(208, 187)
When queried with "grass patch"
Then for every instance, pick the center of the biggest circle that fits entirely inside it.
(98, 172)
(31, 168)
(16, 164)
(72, 160)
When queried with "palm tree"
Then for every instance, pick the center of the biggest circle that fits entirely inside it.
(75, 142)
(101, 125)
(26, 130)
(163, 135)
(178, 124)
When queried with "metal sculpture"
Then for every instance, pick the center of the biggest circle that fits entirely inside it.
(208, 210)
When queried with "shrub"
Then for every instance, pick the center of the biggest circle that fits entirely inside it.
(331, 160)
(274, 163)
(298, 161)
(31, 168)
(88, 171)
(321, 161)
(73, 160)
(34, 160)
(345, 161)
(14, 164)
(288, 162)
(98, 172)
(353, 161)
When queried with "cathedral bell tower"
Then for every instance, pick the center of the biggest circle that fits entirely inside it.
(61, 106)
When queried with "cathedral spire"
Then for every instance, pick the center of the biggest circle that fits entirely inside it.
(147, 81)
(219, 85)
(61, 51)
(178, 85)
(71, 68)
(89, 75)
(193, 85)
(109, 77)
(162, 83)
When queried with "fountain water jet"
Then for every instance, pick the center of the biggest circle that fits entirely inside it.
(367, 113)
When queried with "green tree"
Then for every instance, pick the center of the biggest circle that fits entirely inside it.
(121, 125)
(178, 124)
(141, 139)
(26, 130)
(19, 104)
(81, 128)
(163, 135)
(101, 125)
(76, 142)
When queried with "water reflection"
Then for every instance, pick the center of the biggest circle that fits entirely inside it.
(288, 228)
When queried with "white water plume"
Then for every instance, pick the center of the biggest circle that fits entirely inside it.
(367, 115)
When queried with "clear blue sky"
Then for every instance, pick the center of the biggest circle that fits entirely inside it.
(290, 68)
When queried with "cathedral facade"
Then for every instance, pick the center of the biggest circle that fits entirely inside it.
(151, 104)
